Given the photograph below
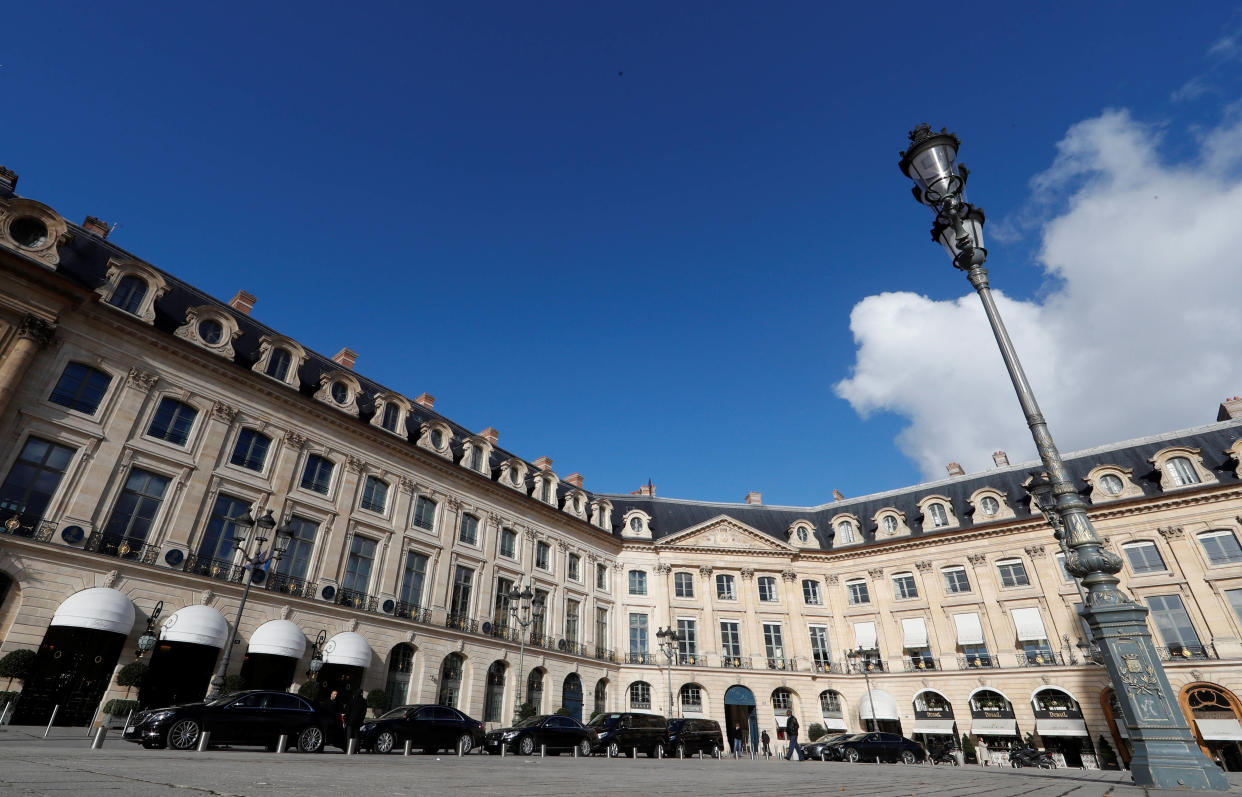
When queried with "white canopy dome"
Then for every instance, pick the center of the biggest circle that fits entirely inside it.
(347, 647)
(279, 638)
(201, 625)
(885, 706)
(101, 608)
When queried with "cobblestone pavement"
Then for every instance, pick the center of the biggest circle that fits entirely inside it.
(65, 765)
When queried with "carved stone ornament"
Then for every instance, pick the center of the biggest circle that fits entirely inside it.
(205, 597)
(352, 625)
(141, 380)
(36, 329)
(1034, 551)
(923, 567)
(705, 570)
(529, 534)
(294, 439)
(591, 557)
(354, 464)
(875, 572)
(409, 637)
(977, 559)
(496, 519)
(109, 578)
(789, 575)
(748, 573)
(1171, 532)
(405, 484)
(453, 503)
(834, 579)
(663, 569)
(284, 612)
(223, 411)
(562, 546)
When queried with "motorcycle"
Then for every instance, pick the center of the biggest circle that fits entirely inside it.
(1030, 757)
(944, 757)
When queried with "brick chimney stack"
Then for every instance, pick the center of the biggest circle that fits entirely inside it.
(1230, 408)
(244, 302)
(426, 400)
(955, 469)
(490, 434)
(8, 180)
(753, 497)
(647, 489)
(544, 463)
(346, 357)
(575, 479)
(837, 495)
(1000, 458)
(96, 226)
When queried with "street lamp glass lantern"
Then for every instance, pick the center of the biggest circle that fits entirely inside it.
(944, 233)
(146, 641)
(931, 162)
(316, 664)
(1040, 489)
(242, 528)
(284, 536)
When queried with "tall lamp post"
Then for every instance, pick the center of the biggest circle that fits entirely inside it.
(859, 655)
(525, 609)
(245, 536)
(1165, 752)
(670, 646)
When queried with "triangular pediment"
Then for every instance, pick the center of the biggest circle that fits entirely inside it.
(723, 533)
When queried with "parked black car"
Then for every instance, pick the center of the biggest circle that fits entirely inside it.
(558, 733)
(689, 736)
(619, 733)
(823, 750)
(429, 728)
(877, 747)
(241, 718)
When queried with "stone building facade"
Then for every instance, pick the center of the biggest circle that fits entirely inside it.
(142, 417)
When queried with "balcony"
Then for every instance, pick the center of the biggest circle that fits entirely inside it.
(571, 647)
(735, 662)
(20, 524)
(461, 622)
(781, 663)
(1187, 652)
(503, 631)
(920, 664)
(289, 585)
(605, 654)
(1040, 658)
(220, 569)
(541, 640)
(121, 548)
(641, 658)
(976, 662)
(691, 660)
(357, 600)
(412, 611)
(824, 667)
(869, 665)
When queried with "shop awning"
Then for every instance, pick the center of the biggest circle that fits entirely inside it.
(349, 648)
(969, 629)
(833, 723)
(864, 635)
(278, 638)
(200, 625)
(933, 726)
(885, 705)
(98, 608)
(1029, 624)
(1061, 727)
(914, 633)
(985, 726)
(1220, 730)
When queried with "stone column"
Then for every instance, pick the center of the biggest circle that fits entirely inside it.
(33, 334)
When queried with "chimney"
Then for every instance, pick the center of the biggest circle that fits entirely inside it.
(1230, 408)
(753, 497)
(490, 434)
(1000, 458)
(837, 495)
(544, 463)
(575, 479)
(244, 302)
(426, 400)
(346, 357)
(955, 469)
(96, 226)
(647, 489)
(8, 180)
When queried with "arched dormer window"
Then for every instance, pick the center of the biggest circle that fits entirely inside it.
(546, 483)
(601, 513)
(210, 327)
(476, 454)
(802, 534)
(339, 389)
(576, 503)
(513, 474)
(890, 523)
(846, 530)
(989, 505)
(133, 288)
(280, 358)
(436, 436)
(391, 411)
(1111, 483)
(636, 524)
(937, 513)
(1181, 466)
(33, 229)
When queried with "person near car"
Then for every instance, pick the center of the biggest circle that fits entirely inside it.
(737, 740)
(767, 752)
(355, 713)
(791, 730)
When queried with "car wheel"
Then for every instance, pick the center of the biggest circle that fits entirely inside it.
(584, 748)
(851, 755)
(310, 740)
(384, 742)
(183, 735)
(657, 751)
(907, 757)
(465, 743)
(614, 750)
(1047, 765)
(526, 745)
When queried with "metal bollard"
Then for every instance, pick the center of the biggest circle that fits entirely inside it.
(634, 753)
(543, 751)
(48, 730)
(608, 751)
(91, 724)
(459, 749)
(409, 745)
(700, 755)
(660, 752)
(575, 751)
(282, 744)
(352, 747)
(204, 739)
(128, 717)
(502, 748)
(100, 733)
(680, 752)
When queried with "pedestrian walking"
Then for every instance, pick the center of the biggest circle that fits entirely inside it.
(767, 753)
(981, 751)
(355, 713)
(791, 730)
(737, 740)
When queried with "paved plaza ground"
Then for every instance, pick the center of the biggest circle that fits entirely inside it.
(65, 765)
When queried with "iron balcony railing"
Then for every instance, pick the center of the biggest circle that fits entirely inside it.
(220, 569)
(412, 611)
(502, 631)
(1187, 652)
(541, 640)
(781, 663)
(22, 524)
(357, 600)
(1040, 658)
(828, 667)
(735, 662)
(121, 548)
(920, 664)
(461, 622)
(692, 659)
(870, 665)
(976, 662)
(605, 654)
(290, 585)
(641, 658)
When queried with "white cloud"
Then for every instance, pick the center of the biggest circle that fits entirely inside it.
(1138, 335)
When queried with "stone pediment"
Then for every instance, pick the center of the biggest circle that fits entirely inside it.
(724, 533)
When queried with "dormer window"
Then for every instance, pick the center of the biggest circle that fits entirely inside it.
(938, 512)
(845, 532)
(477, 454)
(33, 228)
(278, 364)
(133, 288)
(390, 416)
(989, 506)
(129, 293)
(340, 389)
(889, 523)
(1111, 484)
(280, 358)
(210, 331)
(938, 516)
(602, 517)
(436, 436)
(340, 392)
(390, 412)
(211, 328)
(636, 525)
(1180, 471)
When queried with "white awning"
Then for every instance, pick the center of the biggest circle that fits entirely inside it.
(201, 625)
(1029, 624)
(833, 723)
(781, 719)
(1220, 730)
(1061, 727)
(933, 726)
(349, 648)
(969, 629)
(885, 705)
(278, 638)
(983, 726)
(99, 608)
(864, 635)
(914, 632)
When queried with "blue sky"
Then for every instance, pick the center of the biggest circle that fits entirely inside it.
(630, 236)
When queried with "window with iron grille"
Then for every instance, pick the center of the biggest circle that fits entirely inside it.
(543, 556)
(638, 633)
(137, 506)
(425, 513)
(469, 532)
(358, 565)
(374, 494)
(508, 543)
(296, 561)
(250, 451)
(172, 421)
(34, 478)
(412, 578)
(819, 647)
(730, 638)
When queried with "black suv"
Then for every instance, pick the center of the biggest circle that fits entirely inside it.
(689, 736)
(621, 732)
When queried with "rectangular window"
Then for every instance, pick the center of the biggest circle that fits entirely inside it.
(508, 543)
(1012, 574)
(469, 532)
(413, 577)
(542, 555)
(904, 587)
(540, 611)
(135, 510)
(250, 451)
(601, 627)
(463, 582)
(317, 474)
(773, 642)
(725, 590)
(218, 540)
(683, 585)
(730, 639)
(767, 589)
(374, 494)
(601, 576)
(820, 656)
(296, 561)
(638, 582)
(1066, 578)
(33, 480)
(425, 513)
(1221, 547)
(476, 458)
(172, 421)
(1144, 557)
(573, 567)
(638, 633)
(1173, 623)
(857, 592)
(571, 620)
(1235, 600)
(955, 580)
(810, 592)
(500, 612)
(80, 388)
(1036, 651)
(358, 565)
(688, 644)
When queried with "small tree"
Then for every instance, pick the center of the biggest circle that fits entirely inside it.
(968, 750)
(1108, 758)
(120, 708)
(16, 664)
(131, 675)
(527, 710)
(377, 700)
(309, 690)
(564, 712)
(815, 731)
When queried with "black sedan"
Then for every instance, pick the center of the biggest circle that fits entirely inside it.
(822, 750)
(555, 732)
(429, 728)
(241, 718)
(876, 747)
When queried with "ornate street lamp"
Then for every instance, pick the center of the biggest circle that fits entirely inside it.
(670, 645)
(316, 661)
(148, 638)
(1165, 752)
(244, 535)
(862, 662)
(525, 609)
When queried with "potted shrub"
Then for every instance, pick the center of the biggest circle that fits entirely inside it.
(815, 732)
(118, 711)
(16, 664)
(377, 701)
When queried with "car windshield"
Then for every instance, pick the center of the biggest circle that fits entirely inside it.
(224, 700)
(531, 721)
(400, 712)
(855, 738)
(599, 720)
